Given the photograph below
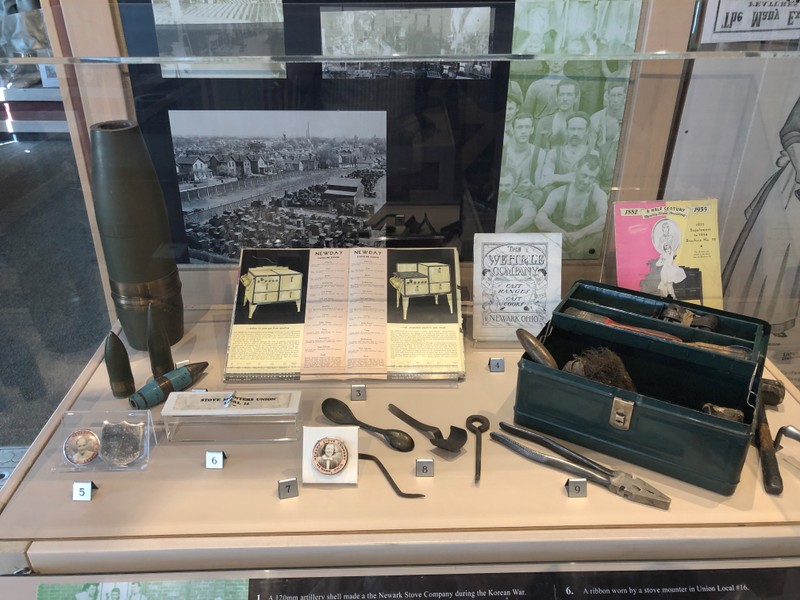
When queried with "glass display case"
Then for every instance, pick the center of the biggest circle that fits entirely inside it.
(383, 124)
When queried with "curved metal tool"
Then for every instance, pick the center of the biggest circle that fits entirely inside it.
(397, 490)
(338, 412)
(452, 443)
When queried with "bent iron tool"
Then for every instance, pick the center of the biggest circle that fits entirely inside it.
(621, 483)
(395, 487)
(452, 443)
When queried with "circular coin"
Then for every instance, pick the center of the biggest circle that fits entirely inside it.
(81, 447)
(329, 455)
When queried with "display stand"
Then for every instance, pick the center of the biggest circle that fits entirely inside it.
(152, 519)
(200, 416)
(111, 440)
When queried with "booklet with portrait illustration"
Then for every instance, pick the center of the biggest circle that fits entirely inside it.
(670, 249)
(346, 313)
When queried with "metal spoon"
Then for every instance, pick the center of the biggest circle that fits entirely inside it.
(338, 412)
(452, 443)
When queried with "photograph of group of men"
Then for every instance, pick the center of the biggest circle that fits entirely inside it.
(563, 121)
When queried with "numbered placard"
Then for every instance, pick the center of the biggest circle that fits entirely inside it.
(287, 488)
(82, 491)
(576, 487)
(215, 459)
(497, 365)
(424, 467)
(358, 391)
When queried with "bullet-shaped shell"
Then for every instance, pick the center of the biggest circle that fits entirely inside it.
(158, 348)
(120, 375)
(156, 391)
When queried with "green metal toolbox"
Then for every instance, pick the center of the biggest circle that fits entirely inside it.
(661, 426)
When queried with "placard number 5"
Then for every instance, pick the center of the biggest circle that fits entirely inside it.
(82, 491)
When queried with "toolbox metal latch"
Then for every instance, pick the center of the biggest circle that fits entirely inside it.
(621, 413)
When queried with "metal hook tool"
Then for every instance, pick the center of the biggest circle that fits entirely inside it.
(481, 427)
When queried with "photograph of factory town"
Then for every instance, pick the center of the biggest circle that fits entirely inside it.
(279, 179)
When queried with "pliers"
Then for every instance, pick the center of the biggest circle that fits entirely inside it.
(621, 483)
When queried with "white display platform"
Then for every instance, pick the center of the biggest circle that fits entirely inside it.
(176, 515)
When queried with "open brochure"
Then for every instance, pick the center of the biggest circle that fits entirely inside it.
(346, 313)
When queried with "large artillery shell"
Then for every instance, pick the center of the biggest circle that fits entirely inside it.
(134, 231)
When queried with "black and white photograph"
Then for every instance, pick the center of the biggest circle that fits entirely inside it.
(476, 69)
(209, 28)
(579, 27)
(278, 179)
(462, 31)
(563, 120)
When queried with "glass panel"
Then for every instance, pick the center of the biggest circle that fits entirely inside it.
(255, 128)
(52, 309)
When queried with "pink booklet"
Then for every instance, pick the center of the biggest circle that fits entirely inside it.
(669, 249)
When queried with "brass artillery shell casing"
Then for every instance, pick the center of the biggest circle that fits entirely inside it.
(118, 366)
